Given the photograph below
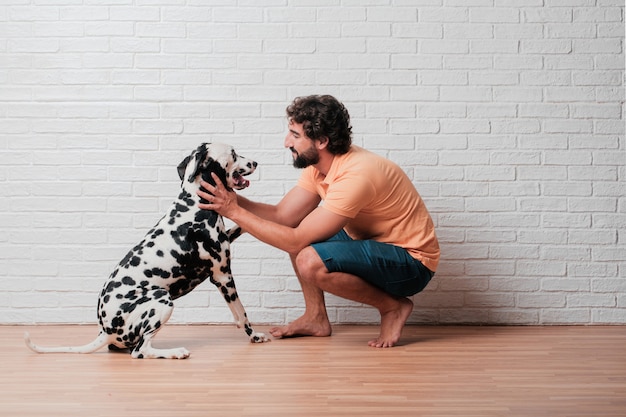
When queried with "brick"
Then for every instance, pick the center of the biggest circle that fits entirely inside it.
(486, 300)
(597, 14)
(544, 204)
(565, 316)
(494, 15)
(418, 30)
(609, 30)
(564, 220)
(523, 94)
(527, 62)
(428, 46)
(493, 78)
(546, 46)
(570, 189)
(591, 204)
(569, 62)
(590, 46)
(540, 300)
(514, 220)
(518, 31)
(547, 14)
(442, 14)
(468, 31)
(607, 315)
(545, 78)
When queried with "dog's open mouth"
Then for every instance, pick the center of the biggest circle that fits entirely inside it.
(239, 182)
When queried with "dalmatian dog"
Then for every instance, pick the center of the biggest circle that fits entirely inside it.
(187, 246)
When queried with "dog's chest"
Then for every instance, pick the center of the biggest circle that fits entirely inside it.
(186, 232)
(183, 249)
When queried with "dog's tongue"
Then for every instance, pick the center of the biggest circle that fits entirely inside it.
(243, 183)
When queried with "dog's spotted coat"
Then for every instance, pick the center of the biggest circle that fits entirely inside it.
(187, 246)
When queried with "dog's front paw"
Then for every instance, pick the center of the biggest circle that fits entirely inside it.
(259, 338)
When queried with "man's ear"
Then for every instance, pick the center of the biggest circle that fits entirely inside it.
(322, 142)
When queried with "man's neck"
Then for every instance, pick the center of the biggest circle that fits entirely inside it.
(325, 162)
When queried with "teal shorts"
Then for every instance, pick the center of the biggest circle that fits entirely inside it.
(388, 267)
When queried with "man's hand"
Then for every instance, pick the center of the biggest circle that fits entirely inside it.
(219, 199)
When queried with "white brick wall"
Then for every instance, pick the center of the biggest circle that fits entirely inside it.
(507, 115)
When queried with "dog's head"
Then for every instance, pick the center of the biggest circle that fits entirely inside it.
(220, 159)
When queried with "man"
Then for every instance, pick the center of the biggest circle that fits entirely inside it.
(372, 239)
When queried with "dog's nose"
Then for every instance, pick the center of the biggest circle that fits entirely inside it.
(254, 164)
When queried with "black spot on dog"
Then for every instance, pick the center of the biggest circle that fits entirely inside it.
(128, 307)
(112, 285)
(187, 198)
(156, 272)
(128, 281)
(124, 262)
(181, 208)
(117, 322)
(142, 300)
(208, 216)
(181, 237)
(158, 294)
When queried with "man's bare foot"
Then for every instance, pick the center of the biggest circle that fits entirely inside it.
(391, 324)
(303, 326)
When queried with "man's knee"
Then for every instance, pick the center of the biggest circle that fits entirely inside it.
(310, 265)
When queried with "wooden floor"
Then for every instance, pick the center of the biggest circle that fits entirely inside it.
(436, 371)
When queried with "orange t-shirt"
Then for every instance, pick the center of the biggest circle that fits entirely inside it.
(380, 200)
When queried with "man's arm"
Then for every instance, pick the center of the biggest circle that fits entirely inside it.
(306, 228)
(290, 211)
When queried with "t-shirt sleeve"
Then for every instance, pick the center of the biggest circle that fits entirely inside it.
(307, 181)
(349, 195)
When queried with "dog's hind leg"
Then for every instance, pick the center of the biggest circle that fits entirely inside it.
(144, 350)
(147, 325)
(226, 285)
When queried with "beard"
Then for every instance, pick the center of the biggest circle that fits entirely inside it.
(309, 157)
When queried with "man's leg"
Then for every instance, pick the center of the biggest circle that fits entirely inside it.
(313, 274)
(314, 321)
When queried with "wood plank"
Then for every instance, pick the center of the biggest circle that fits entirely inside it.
(436, 371)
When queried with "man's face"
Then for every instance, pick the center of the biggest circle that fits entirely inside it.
(301, 146)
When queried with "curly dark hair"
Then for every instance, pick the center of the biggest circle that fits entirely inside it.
(323, 116)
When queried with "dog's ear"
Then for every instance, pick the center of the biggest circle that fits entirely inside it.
(182, 167)
(197, 158)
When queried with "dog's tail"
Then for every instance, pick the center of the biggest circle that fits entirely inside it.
(233, 233)
(101, 341)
